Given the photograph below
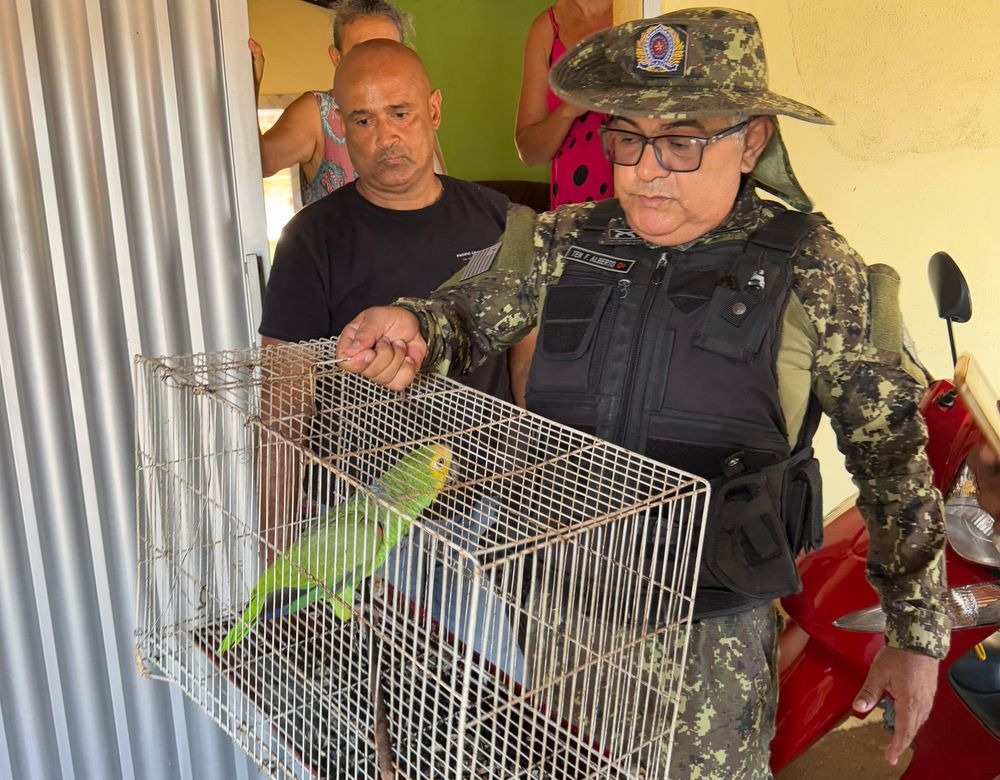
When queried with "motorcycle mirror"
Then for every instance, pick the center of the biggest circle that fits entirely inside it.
(951, 293)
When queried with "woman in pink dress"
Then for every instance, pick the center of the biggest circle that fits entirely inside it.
(549, 129)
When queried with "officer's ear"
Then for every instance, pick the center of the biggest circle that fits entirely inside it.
(757, 134)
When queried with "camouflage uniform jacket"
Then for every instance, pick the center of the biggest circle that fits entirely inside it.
(842, 339)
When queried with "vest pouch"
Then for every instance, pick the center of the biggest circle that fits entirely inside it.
(572, 316)
(735, 324)
(746, 547)
(803, 510)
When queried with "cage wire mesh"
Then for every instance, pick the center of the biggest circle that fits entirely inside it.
(530, 621)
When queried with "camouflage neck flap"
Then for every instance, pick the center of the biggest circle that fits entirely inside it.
(773, 172)
(684, 65)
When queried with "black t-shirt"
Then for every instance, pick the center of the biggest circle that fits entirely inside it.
(343, 254)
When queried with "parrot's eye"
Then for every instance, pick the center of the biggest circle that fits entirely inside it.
(439, 463)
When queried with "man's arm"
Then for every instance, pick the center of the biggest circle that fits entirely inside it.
(285, 406)
(538, 133)
(391, 344)
(519, 355)
(870, 385)
(293, 138)
(296, 138)
(457, 328)
(519, 359)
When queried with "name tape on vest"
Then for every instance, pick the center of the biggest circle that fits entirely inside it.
(607, 262)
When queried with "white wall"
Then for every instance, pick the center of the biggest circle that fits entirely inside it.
(910, 167)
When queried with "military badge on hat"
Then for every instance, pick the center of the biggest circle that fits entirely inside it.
(660, 50)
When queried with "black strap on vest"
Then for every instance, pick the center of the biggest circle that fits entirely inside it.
(809, 425)
(602, 213)
(782, 237)
(785, 232)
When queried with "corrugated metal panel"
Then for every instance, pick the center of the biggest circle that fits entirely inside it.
(128, 202)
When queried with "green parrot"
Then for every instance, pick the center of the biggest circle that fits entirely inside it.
(349, 543)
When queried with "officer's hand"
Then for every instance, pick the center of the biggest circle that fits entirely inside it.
(384, 344)
(910, 679)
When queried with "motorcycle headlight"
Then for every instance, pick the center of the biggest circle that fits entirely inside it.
(975, 535)
(968, 606)
(971, 530)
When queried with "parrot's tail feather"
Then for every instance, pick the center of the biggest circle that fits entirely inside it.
(243, 626)
(240, 630)
(340, 603)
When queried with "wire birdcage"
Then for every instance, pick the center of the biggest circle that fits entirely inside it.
(533, 622)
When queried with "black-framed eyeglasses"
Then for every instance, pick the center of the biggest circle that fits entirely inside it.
(677, 153)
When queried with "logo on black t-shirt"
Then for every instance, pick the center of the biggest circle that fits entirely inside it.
(479, 261)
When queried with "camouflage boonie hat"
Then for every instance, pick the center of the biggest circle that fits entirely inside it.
(685, 65)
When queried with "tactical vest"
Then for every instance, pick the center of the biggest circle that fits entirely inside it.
(672, 353)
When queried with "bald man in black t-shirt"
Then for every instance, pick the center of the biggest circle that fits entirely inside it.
(399, 230)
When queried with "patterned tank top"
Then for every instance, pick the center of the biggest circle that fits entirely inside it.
(336, 169)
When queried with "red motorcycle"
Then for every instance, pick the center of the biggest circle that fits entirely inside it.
(835, 625)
